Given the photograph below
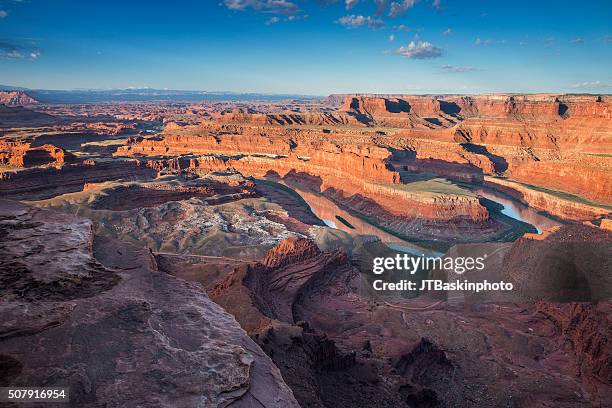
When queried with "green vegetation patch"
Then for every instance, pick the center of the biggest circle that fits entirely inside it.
(564, 195)
(425, 184)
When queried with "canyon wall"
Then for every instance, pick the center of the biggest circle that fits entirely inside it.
(41, 183)
(589, 177)
(352, 169)
(560, 142)
(17, 154)
(555, 205)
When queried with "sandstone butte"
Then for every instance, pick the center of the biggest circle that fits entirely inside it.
(16, 98)
(559, 142)
(18, 154)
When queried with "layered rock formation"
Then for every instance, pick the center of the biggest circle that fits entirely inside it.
(402, 112)
(305, 307)
(241, 116)
(18, 154)
(41, 183)
(16, 98)
(589, 176)
(115, 329)
(564, 206)
(529, 134)
(350, 170)
(587, 328)
(555, 141)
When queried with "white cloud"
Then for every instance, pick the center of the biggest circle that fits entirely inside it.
(578, 41)
(353, 21)
(478, 41)
(3, 13)
(398, 9)
(14, 54)
(276, 19)
(401, 27)
(392, 37)
(592, 85)
(437, 4)
(447, 32)
(263, 6)
(453, 69)
(16, 50)
(349, 4)
(419, 50)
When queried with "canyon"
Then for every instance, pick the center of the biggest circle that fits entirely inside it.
(160, 242)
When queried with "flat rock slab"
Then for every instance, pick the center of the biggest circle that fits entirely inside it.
(117, 332)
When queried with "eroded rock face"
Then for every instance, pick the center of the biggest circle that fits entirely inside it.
(413, 112)
(588, 177)
(241, 116)
(317, 325)
(349, 171)
(569, 264)
(290, 251)
(560, 142)
(587, 328)
(569, 208)
(18, 154)
(16, 98)
(115, 329)
(41, 183)
(563, 134)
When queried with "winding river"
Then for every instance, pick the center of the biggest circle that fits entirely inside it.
(329, 212)
(518, 211)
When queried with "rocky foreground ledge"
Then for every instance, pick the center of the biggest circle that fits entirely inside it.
(98, 317)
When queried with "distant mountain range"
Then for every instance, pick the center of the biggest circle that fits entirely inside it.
(145, 95)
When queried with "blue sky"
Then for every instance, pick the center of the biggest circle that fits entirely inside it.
(312, 47)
